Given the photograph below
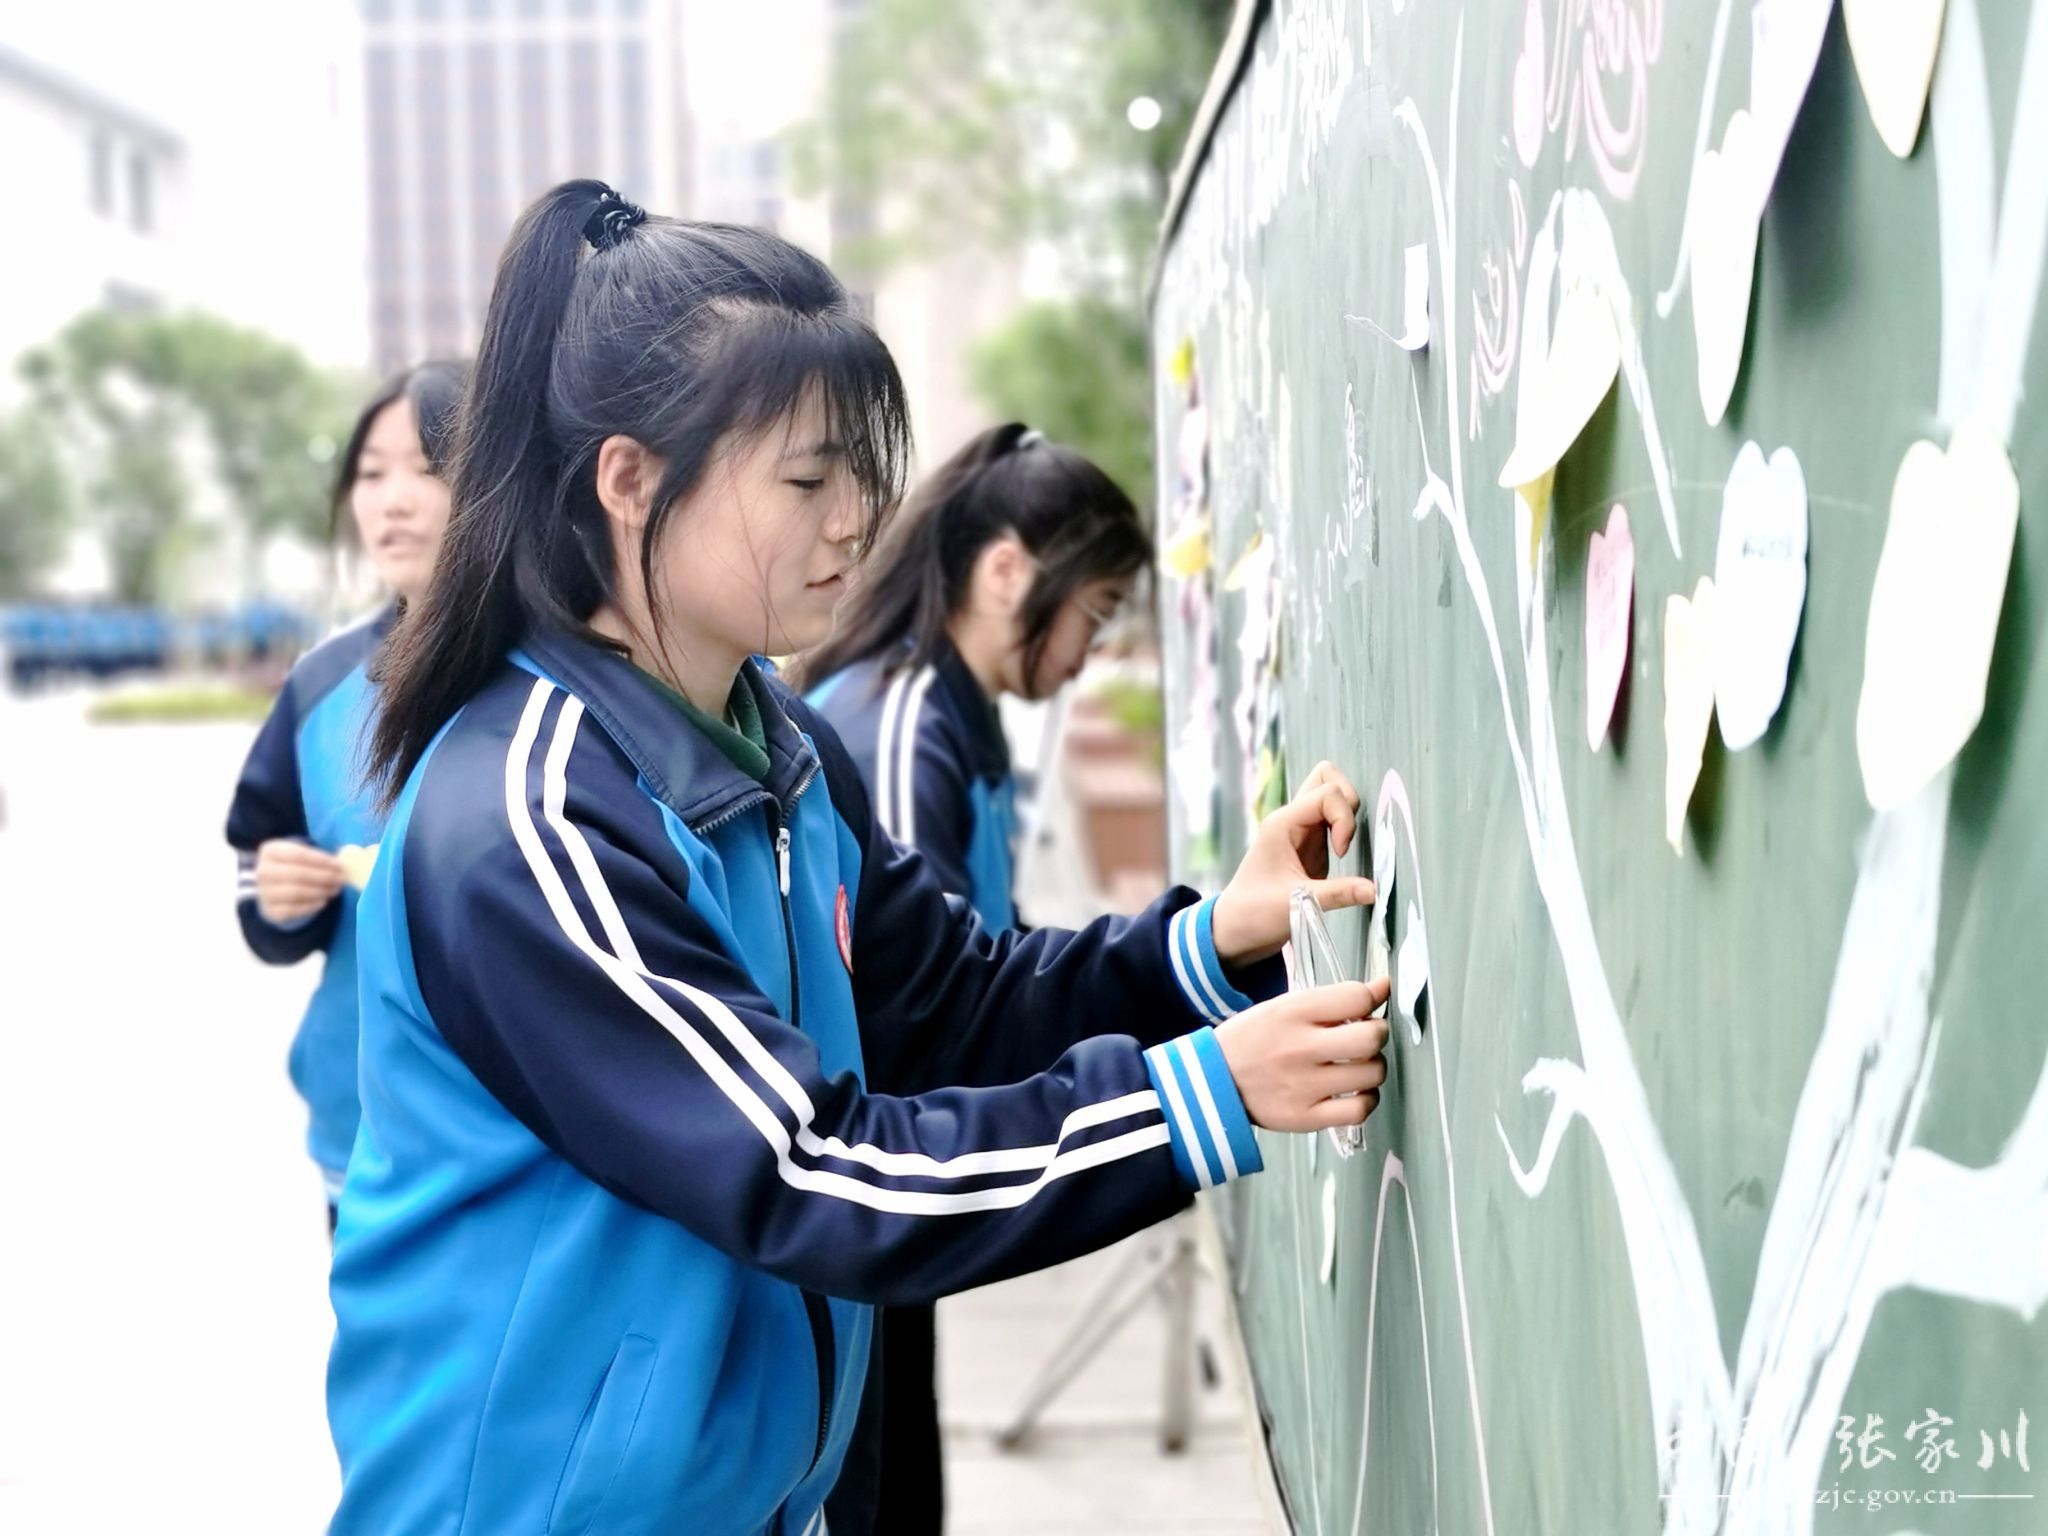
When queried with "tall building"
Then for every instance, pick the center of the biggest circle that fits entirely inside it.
(471, 108)
(99, 189)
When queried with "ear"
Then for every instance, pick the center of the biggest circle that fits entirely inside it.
(627, 475)
(1004, 573)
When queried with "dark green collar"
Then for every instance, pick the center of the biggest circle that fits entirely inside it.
(683, 769)
(740, 736)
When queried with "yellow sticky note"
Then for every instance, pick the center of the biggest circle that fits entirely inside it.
(357, 862)
(1688, 701)
(1188, 554)
(1536, 497)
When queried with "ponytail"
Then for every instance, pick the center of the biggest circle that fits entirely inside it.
(604, 321)
(1005, 482)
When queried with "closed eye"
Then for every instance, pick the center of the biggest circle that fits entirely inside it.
(808, 485)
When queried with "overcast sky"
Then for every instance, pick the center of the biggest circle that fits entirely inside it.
(248, 85)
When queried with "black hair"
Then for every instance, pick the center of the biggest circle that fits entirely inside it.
(1076, 522)
(435, 389)
(604, 321)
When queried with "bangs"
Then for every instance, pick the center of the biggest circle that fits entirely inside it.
(835, 361)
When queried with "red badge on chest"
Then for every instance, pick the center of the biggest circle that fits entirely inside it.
(843, 924)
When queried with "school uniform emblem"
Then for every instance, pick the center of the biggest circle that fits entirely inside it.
(843, 926)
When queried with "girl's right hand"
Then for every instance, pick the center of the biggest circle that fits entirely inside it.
(294, 880)
(1292, 1055)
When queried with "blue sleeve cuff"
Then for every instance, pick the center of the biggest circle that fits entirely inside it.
(1210, 1133)
(1191, 942)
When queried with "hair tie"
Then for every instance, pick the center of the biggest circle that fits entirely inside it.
(610, 219)
(1030, 439)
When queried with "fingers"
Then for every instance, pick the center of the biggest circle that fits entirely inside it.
(289, 909)
(1356, 1041)
(1329, 775)
(1334, 1114)
(295, 880)
(1341, 1002)
(1351, 1077)
(1340, 815)
(1345, 891)
(285, 854)
(327, 874)
(310, 897)
(1325, 800)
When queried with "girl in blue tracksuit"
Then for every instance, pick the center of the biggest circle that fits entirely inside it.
(621, 1201)
(994, 580)
(302, 821)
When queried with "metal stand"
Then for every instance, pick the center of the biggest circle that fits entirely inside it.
(1165, 1263)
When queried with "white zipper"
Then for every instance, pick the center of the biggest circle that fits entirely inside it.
(782, 856)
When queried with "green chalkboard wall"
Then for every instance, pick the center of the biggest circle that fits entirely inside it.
(1688, 1156)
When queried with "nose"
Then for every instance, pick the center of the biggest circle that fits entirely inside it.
(389, 500)
(842, 520)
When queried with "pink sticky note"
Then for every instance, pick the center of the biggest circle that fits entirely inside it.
(1610, 591)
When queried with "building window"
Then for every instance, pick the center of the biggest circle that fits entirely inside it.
(141, 207)
(102, 175)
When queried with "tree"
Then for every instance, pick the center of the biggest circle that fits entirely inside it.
(1076, 370)
(1003, 124)
(131, 395)
(35, 503)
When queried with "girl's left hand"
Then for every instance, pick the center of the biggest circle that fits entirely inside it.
(1291, 849)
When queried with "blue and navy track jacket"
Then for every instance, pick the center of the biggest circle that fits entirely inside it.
(930, 746)
(303, 779)
(620, 1202)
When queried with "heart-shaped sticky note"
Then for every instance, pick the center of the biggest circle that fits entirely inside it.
(1560, 391)
(1723, 224)
(1187, 553)
(1688, 700)
(1759, 589)
(1785, 38)
(1610, 595)
(1894, 43)
(356, 863)
(1934, 610)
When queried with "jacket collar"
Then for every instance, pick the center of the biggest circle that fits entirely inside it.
(683, 768)
(976, 711)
